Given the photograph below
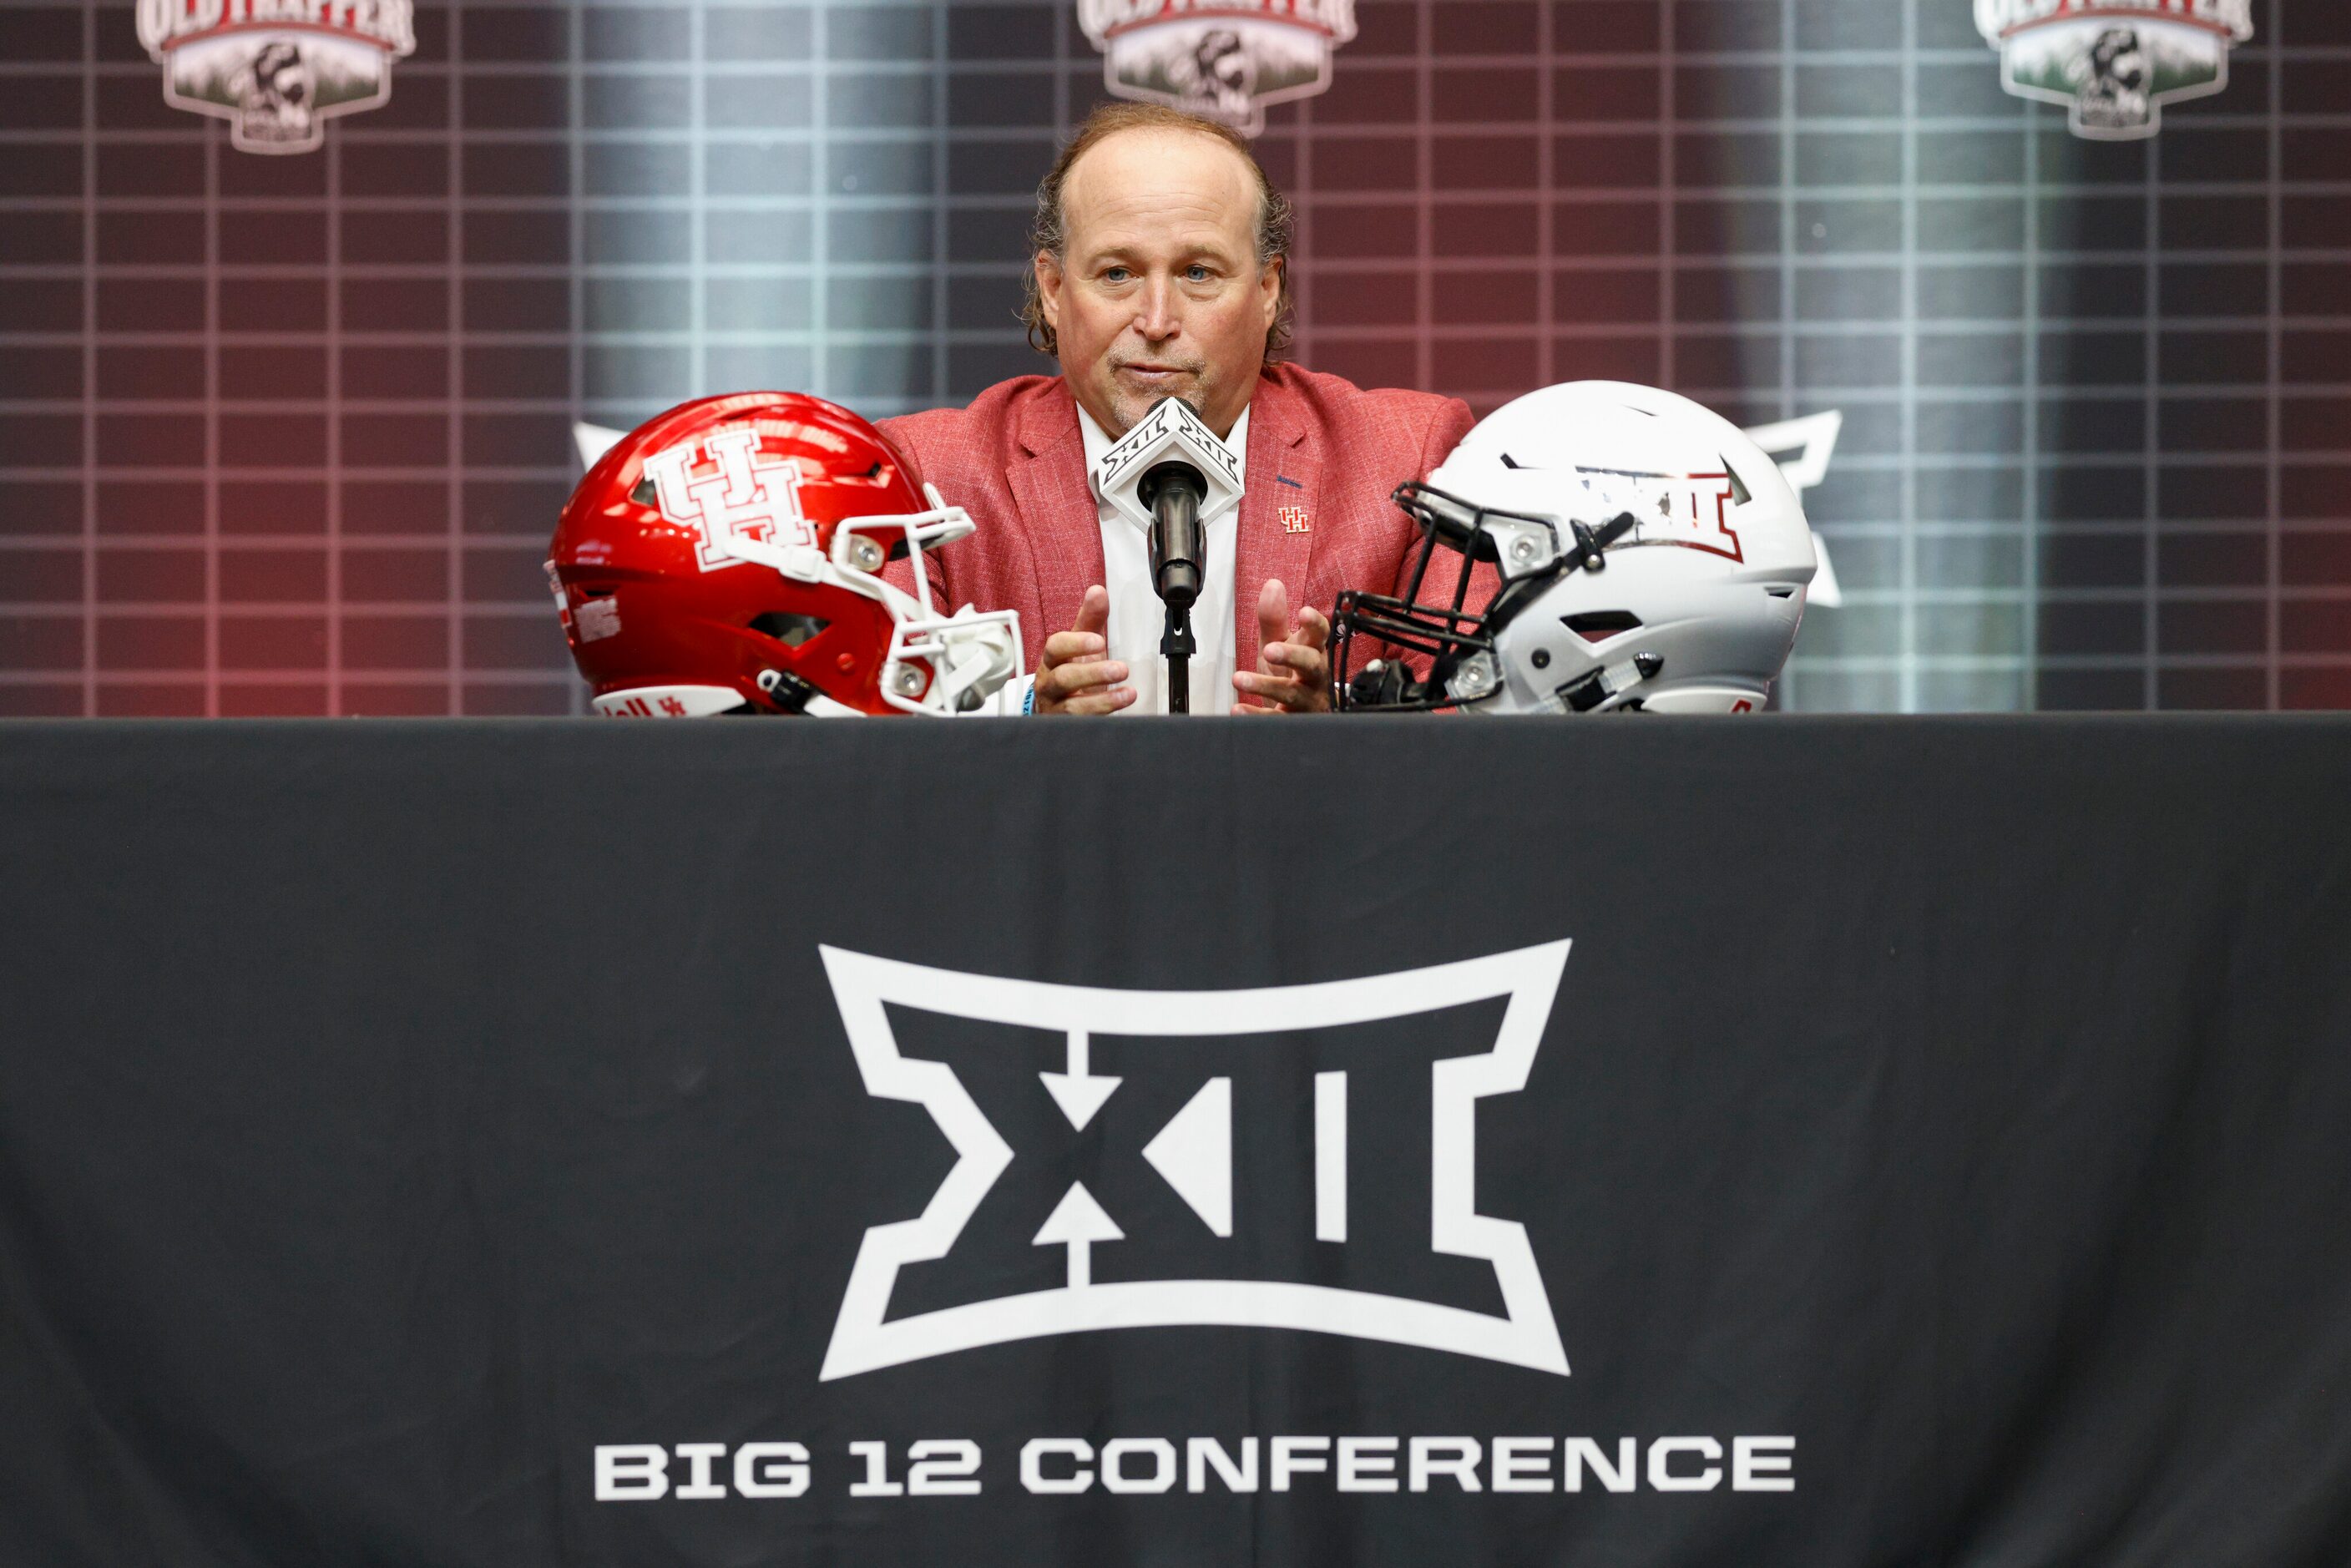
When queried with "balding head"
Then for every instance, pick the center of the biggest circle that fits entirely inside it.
(1160, 266)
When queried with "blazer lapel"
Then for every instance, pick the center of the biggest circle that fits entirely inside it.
(1056, 505)
(1276, 537)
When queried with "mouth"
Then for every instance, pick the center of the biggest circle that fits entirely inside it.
(1151, 374)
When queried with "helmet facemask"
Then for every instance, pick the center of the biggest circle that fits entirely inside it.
(936, 663)
(1529, 551)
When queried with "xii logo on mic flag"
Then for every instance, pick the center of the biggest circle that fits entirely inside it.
(1170, 433)
(1287, 1157)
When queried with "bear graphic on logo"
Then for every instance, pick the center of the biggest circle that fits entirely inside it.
(275, 92)
(2114, 74)
(1218, 77)
(1226, 59)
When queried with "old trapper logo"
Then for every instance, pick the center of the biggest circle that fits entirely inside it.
(1223, 59)
(2115, 62)
(275, 69)
(1247, 1152)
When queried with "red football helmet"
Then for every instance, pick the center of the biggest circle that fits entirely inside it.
(727, 557)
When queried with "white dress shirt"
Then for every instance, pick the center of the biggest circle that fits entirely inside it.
(1137, 618)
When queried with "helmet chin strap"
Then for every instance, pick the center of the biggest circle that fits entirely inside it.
(1383, 683)
(1608, 685)
(793, 696)
(801, 563)
(1591, 542)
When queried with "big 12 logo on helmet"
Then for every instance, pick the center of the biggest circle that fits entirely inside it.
(745, 499)
(1688, 509)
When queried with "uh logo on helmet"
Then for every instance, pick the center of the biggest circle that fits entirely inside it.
(727, 557)
(1651, 558)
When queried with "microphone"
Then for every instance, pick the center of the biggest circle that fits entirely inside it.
(1172, 477)
(1173, 490)
(1170, 453)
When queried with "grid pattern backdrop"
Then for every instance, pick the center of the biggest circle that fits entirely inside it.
(288, 434)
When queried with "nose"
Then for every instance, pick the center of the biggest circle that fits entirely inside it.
(1156, 317)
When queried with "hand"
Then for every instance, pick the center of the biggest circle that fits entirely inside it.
(1293, 674)
(1073, 676)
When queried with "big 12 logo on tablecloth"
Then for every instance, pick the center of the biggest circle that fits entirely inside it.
(1277, 1224)
(275, 69)
(2114, 63)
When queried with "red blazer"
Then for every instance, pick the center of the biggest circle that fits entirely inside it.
(1322, 456)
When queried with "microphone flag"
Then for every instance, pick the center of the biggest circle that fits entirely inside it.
(1169, 432)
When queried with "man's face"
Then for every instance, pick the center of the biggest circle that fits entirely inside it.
(1160, 292)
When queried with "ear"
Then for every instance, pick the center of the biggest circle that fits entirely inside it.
(1268, 288)
(1049, 288)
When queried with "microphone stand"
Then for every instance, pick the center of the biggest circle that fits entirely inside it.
(1178, 647)
(1174, 492)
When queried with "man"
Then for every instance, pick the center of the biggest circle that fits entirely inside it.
(1161, 268)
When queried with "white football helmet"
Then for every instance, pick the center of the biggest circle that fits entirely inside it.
(1652, 556)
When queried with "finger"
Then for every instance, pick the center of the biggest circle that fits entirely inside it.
(1085, 699)
(1063, 646)
(1066, 681)
(1093, 610)
(1282, 695)
(1100, 702)
(1272, 612)
(1305, 660)
(1272, 687)
(1306, 691)
(1313, 628)
(1290, 695)
(1254, 709)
